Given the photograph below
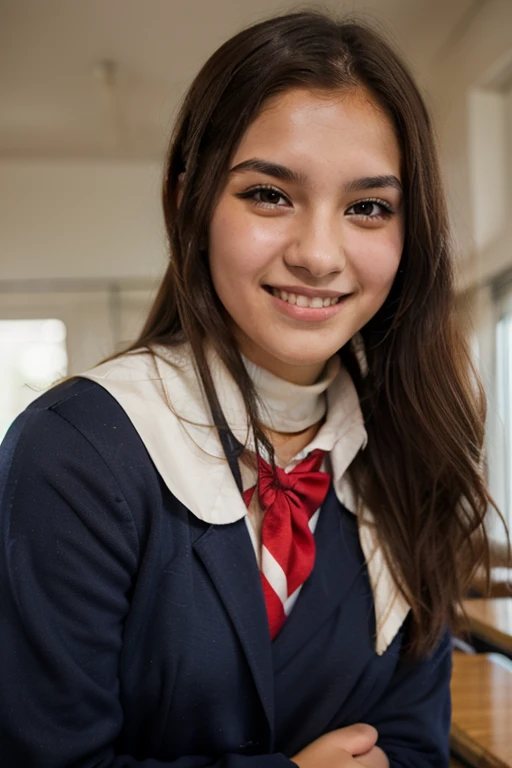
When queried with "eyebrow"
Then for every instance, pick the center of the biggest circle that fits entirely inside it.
(283, 173)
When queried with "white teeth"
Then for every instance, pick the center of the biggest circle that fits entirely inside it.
(304, 301)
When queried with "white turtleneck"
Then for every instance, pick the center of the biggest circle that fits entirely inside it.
(166, 403)
(287, 407)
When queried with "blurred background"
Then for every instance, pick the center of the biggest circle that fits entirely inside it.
(89, 90)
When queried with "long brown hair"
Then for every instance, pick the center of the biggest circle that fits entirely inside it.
(424, 409)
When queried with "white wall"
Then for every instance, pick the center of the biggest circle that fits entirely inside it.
(462, 88)
(93, 234)
(487, 165)
(65, 219)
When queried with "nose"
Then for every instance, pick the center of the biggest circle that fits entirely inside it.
(317, 250)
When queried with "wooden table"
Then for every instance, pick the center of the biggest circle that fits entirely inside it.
(500, 582)
(482, 709)
(491, 620)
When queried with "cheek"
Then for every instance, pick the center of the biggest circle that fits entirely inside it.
(240, 249)
(376, 259)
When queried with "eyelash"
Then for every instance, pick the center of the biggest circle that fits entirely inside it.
(249, 194)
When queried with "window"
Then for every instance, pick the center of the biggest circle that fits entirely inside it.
(34, 356)
(503, 435)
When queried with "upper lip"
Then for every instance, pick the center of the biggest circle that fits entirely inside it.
(311, 292)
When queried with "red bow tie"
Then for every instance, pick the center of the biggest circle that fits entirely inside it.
(288, 545)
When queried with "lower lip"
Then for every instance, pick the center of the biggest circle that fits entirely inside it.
(307, 314)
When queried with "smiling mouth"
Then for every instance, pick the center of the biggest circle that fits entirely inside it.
(299, 300)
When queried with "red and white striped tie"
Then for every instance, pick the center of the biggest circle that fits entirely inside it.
(288, 545)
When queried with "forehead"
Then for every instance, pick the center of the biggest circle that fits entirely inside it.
(322, 130)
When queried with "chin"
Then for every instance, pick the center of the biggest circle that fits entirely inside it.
(303, 357)
(311, 353)
(278, 350)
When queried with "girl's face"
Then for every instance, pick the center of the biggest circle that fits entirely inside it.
(307, 234)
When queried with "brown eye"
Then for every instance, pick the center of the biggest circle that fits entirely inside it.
(270, 196)
(370, 209)
(265, 197)
(365, 208)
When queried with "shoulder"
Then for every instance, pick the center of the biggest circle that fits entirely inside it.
(91, 410)
(71, 398)
(78, 406)
(77, 430)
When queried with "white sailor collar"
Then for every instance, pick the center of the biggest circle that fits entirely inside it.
(162, 396)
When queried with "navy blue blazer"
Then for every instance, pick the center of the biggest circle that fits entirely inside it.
(133, 634)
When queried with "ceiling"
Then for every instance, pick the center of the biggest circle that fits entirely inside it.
(58, 102)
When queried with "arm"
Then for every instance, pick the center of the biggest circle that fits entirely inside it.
(68, 561)
(413, 717)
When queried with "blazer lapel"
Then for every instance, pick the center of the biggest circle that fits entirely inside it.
(338, 563)
(227, 553)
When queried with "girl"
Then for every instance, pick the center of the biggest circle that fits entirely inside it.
(241, 542)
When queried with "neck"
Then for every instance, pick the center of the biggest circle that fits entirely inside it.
(290, 414)
(287, 445)
(288, 407)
